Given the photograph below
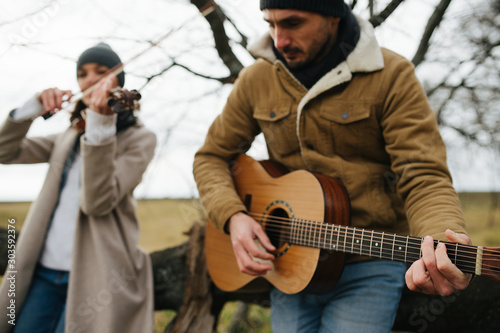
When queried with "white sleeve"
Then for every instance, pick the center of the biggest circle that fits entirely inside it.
(29, 110)
(99, 129)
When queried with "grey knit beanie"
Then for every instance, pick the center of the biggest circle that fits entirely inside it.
(335, 8)
(104, 55)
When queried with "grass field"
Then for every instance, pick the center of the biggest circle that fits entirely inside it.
(165, 221)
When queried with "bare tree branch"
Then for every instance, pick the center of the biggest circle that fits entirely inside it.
(383, 15)
(223, 80)
(28, 14)
(155, 75)
(216, 20)
(244, 39)
(432, 25)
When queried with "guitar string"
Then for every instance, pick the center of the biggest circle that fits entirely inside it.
(471, 265)
(400, 255)
(316, 240)
(320, 240)
(380, 235)
(486, 268)
(285, 221)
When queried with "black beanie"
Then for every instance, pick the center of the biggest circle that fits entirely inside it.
(335, 8)
(104, 55)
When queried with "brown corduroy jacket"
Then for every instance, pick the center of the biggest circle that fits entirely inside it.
(367, 122)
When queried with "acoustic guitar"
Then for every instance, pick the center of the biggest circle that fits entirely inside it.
(306, 217)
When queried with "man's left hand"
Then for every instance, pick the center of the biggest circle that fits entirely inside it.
(434, 273)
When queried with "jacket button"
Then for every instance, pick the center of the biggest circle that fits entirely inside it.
(345, 115)
(272, 114)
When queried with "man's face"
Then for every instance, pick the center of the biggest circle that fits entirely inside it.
(301, 37)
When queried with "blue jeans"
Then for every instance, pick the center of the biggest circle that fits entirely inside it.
(365, 299)
(44, 307)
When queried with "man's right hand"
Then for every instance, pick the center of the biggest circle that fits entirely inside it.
(244, 232)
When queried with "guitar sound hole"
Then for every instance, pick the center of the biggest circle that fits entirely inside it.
(277, 227)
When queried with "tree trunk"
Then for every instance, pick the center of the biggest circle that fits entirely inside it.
(182, 284)
(195, 314)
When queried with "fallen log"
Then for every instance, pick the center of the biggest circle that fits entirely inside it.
(182, 284)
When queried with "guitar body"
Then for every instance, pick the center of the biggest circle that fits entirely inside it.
(270, 194)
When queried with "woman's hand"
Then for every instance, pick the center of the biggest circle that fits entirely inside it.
(52, 99)
(98, 100)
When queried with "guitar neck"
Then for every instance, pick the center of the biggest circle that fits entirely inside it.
(467, 258)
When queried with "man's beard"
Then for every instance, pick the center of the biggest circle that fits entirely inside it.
(290, 62)
(322, 52)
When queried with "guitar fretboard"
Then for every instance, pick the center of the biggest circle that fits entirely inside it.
(375, 244)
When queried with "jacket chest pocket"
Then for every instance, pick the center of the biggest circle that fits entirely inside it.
(278, 124)
(351, 128)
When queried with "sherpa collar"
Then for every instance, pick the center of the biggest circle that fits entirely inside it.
(366, 56)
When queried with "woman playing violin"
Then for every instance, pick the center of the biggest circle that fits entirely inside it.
(78, 267)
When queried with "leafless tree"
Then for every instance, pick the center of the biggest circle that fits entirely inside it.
(467, 96)
(477, 64)
(465, 93)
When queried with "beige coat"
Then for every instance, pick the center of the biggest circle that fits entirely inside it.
(111, 284)
(366, 122)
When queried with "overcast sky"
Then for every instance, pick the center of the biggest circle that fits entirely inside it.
(178, 107)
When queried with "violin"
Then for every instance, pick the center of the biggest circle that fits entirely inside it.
(122, 100)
